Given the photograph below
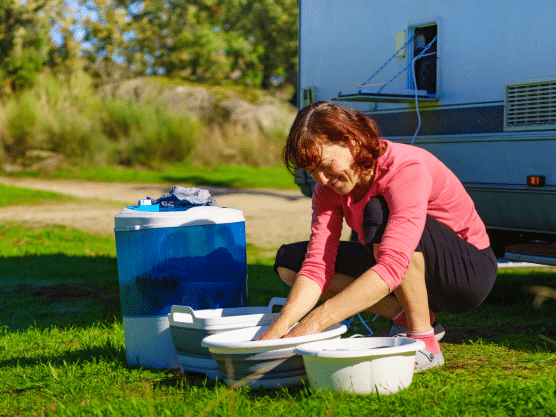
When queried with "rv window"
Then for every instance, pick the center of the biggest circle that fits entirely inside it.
(425, 67)
(421, 52)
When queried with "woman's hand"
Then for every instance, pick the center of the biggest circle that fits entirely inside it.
(304, 328)
(274, 331)
(302, 298)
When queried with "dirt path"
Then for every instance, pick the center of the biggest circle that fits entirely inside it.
(272, 217)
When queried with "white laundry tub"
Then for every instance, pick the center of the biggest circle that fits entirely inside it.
(361, 365)
(270, 364)
(189, 327)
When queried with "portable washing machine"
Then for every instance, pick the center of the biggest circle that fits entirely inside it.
(174, 256)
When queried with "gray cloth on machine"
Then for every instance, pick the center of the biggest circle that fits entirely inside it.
(182, 197)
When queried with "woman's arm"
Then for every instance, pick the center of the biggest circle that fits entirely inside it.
(364, 292)
(302, 298)
(318, 268)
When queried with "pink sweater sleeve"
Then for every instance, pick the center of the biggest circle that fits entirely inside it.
(406, 194)
(326, 229)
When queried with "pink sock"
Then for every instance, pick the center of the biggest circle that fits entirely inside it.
(426, 336)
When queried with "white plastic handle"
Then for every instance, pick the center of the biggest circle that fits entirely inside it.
(182, 309)
(277, 301)
(355, 335)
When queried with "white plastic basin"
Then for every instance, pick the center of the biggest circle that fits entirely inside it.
(242, 359)
(383, 365)
(189, 327)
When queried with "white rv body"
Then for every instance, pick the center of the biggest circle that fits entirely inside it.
(489, 112)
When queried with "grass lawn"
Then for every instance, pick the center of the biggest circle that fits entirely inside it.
(10, 195)
(62, 347)
(225, 176)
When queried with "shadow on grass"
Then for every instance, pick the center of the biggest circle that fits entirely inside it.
(106, 351)
(60, 290)
(264, 284)
(509, 316)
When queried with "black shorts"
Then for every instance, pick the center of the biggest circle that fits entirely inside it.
(458, 276)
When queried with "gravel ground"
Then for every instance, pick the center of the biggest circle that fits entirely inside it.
(272, 217)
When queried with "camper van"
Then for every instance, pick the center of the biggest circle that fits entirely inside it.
(473, 82)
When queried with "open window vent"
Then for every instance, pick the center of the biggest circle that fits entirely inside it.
(530, 105)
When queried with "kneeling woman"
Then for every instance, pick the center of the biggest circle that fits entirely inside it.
(423, 248)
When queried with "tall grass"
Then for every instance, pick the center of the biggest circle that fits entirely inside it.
(67, 116)
(54, 115)
(227, 144)
(147, 134)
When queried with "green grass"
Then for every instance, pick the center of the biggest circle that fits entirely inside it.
(62, 347)
(239, 176)
(10, 195)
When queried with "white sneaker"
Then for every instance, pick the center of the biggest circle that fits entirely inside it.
(425, 359)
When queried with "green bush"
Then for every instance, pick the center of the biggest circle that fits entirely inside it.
(147, 134)
(54, 115)
(67, 117)
(21, 119)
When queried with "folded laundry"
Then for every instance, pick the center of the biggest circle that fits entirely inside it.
(185, 197)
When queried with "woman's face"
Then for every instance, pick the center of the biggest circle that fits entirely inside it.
(335, 169)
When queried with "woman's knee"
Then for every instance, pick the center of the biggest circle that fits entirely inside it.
(290, 256)
(287, 275)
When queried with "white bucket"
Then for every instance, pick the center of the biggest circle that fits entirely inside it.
(382, 365)
(270, 364)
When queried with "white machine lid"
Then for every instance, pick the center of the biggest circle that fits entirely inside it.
(129, 219)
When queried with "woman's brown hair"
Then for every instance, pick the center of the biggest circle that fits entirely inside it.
(322, 122)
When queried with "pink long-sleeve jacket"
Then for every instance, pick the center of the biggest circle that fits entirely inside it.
(414, 183)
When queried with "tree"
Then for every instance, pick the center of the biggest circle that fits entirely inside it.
(272, 25)
(182, 41)
(254, 42)
(25, 44)
(262, 36)
(109, 54)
